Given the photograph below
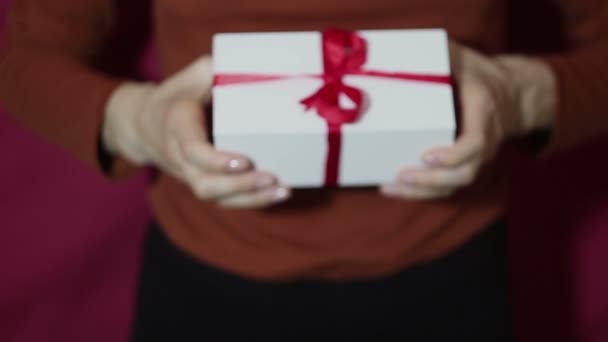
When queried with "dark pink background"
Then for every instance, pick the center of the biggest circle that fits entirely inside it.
(70, 240)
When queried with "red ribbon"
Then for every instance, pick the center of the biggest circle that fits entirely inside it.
(344, 53)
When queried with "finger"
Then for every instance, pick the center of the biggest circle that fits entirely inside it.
(462, 58)
(466, 148)
(216, 187)
(472, 141)
(186, 171)
(456, 52)
(175, 164)
(211, 160)
(439, 178)
(185, 124)
(411, 192)
(259, 199)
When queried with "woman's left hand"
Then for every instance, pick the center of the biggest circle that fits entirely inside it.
(500, 98)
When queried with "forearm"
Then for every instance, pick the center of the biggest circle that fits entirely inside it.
(579, 111)
(582, 109)
(564, 93)
(55, 96)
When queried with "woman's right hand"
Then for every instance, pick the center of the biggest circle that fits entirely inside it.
(164, 125)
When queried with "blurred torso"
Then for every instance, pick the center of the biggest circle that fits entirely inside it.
(327, 233)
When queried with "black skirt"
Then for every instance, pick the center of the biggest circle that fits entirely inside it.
(464, 296)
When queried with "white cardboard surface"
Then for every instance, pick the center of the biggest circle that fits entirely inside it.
(266, 121)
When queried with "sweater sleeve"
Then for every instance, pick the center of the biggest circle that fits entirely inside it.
(47, 81)
(582, 75)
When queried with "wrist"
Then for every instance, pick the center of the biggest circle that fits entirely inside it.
(118, 134)
(536, 89)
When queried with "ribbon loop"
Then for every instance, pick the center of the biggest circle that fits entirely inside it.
(343, 52)
(326, 102)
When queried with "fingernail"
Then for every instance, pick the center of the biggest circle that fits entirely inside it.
(263, 181)
(235, 164)
(281, 194)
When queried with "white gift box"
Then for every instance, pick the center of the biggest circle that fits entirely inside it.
(265, 120)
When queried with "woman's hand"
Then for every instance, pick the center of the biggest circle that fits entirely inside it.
(501, 98)
(164, 125)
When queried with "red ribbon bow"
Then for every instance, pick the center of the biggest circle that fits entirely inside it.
(344, 53)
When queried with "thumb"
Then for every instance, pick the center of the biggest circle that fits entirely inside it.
(472, 140)
(193, 82)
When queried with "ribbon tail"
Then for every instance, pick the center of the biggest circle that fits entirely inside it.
(308, 102)
(334, 152)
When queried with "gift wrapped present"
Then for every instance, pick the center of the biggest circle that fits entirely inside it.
(333, 108)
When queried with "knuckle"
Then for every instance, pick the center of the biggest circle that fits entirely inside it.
(490, 101)
(195, 153)
(478, 142)
(203, 189)
(468, 175)
(187, 149)
(190, 174)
